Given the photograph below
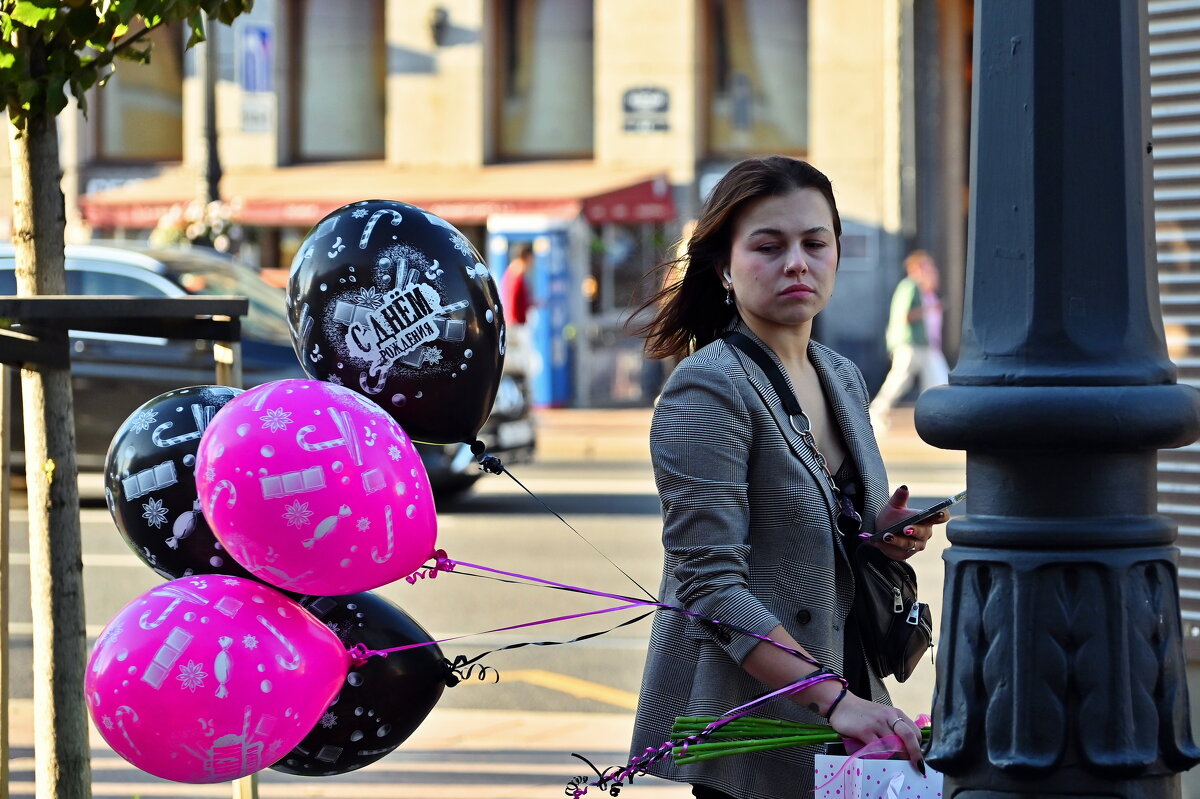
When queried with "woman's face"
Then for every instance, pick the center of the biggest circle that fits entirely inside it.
(783, 260)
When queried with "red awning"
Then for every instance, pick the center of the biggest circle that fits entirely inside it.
(299, 196)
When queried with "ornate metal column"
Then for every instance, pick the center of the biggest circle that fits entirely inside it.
(1060, 669)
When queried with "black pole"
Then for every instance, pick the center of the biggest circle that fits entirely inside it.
(1061, 668)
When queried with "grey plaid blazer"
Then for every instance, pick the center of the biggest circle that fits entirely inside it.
(749, 539)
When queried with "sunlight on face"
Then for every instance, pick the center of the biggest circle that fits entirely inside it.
(783, 260)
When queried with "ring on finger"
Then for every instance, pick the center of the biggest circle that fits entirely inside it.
(892, 726)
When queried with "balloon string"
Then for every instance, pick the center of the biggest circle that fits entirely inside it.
(444, 563)
(612, 778)
(492, 464)
(360, 652)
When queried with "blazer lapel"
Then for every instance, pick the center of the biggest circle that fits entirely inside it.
(855, 427)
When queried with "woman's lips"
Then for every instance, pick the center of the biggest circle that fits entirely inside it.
(797, 290)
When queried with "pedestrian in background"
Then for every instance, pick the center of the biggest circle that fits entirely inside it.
(517, 299)
(914, 337)
(760, 518)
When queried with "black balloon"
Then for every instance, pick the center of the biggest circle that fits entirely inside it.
(150, 485)
(384, 699)
(394, 302)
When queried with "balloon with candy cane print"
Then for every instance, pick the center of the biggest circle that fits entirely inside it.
(314, 489)
(211, 678)
(150, 488)
(395, 303)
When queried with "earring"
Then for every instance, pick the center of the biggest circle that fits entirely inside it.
(729, 295)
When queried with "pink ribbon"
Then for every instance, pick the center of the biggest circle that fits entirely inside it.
(879, 749)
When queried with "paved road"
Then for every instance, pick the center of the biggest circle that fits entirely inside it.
(513, 738)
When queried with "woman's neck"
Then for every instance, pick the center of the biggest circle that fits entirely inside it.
(789, 343)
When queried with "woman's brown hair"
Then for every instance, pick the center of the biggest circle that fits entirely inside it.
(690, 311)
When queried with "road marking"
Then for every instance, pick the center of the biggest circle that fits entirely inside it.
(580, 689)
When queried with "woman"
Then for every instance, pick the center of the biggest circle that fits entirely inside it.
(751, 511)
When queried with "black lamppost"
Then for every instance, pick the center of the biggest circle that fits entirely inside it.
(1061, 668)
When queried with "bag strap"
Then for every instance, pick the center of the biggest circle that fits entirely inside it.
(769, 367)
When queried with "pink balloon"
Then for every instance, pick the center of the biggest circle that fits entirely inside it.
(313, 488)
(210, 678)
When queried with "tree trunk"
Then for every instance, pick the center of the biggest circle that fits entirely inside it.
(62, 766)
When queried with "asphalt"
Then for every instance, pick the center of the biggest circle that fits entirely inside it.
(608, 435)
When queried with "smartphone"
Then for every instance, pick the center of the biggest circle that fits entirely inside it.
(919, 516)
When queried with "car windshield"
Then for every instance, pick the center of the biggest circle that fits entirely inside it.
(267, 317)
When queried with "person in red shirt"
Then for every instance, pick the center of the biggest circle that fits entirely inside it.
(514, 286)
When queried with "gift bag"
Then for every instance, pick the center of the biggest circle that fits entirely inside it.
(841, 777)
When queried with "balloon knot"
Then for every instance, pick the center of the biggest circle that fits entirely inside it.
(359, 654)
(491, 464)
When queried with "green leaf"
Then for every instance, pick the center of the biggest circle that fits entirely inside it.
(32, 13)
(82, 22)
(196, 24)
(7, 60)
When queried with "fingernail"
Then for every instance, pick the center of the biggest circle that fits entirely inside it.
(903, 488)
(921, 766)
(888, 537)
(910, 531)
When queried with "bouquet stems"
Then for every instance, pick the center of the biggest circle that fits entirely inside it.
(747, 734)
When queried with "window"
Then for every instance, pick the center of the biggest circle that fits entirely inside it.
(545, 79)
(757, 76)
(339, 66)
(89, 282)
(139, 113)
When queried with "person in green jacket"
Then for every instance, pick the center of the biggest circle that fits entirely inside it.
(914, 337)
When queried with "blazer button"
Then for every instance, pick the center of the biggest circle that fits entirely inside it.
(724, 634)
(804, 617)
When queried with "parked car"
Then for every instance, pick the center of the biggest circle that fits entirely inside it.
(114, 374)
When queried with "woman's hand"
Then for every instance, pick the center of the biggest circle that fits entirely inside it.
(913, 538)
(864, 721)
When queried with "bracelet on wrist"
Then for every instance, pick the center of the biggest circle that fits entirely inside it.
(828, 714)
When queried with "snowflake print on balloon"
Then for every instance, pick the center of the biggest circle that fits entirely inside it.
(394, 452)
(329, 720)
(154, 513)
(297, 514)
(276, 420)
(191, 676)
(250, 642)
(364, 524)
(462, 245)
(369, 298)
(143, 420)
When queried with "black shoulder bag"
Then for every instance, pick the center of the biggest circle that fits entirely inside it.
(896, 629)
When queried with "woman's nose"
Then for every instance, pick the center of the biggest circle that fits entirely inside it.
(795, 263)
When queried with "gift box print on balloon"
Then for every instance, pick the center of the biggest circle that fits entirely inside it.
(395, 303)
(150, 487)
(211, 678)
(313, 488)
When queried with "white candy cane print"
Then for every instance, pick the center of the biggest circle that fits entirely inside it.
(347, 438)
(178, 595)
(290, 665)
(202, 414)
(223, 486)
(391, 538)
(367, 228)
(122, 712)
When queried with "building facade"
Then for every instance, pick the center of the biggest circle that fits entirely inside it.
(604, 120)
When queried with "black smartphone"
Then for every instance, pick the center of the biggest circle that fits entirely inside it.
(919, 516)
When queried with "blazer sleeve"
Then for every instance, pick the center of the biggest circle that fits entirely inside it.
(700, 440)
